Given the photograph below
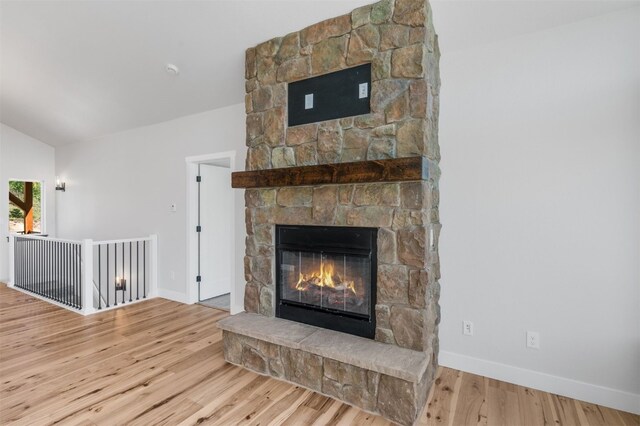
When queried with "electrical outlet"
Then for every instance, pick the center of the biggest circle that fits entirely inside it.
(533, 339)
(467, 328)
(363, 90)
(173, 208)
(308, 101)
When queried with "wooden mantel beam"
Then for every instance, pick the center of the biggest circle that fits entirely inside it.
(392, 170)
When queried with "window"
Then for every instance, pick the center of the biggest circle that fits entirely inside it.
(25, 207)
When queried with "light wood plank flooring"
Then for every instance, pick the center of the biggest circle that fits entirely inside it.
(161, 362)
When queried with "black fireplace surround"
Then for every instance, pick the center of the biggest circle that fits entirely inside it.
(326, 276)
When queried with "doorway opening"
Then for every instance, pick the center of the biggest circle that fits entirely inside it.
(211, 230)
(25, 207)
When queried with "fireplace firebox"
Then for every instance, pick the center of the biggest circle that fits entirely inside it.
(326, 276)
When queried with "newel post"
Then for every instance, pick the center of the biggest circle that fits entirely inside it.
(153, 287)
(12, 270)
(87, 277)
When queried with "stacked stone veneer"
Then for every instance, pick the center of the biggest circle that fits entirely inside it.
(398, 39)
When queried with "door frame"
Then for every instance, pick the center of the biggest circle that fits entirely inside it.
(192, 164)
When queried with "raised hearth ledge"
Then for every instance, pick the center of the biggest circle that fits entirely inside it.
(383, 358)
(373, 171)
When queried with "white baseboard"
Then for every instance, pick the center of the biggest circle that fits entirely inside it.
(176, 296)
(582, 391)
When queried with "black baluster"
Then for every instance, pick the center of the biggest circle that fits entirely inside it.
(20, 260)
(107, 269)
(16, 263)
(137, 270)
(17, 260)
(39, 266)
(40, 260)
(58, 292)
(144, 270)
(122, 286)
(35, 264)
(65, 275)
(23, 263)
(28, 264)
(130, 276)
(66, 298)
(72, 273)
(74, 270)
(42, 264)
(27, 281)
(79, 273)
(47, 264)
(33, 281)
(31, 267)
(34, 257)
(99, 279)
(16, 276)
(69, 276)
(78, 287)
(25, 258)
(60, 265)
(115, 274)
(52, 265)
(72, 276)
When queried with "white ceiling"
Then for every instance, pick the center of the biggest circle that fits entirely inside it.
(71, 71)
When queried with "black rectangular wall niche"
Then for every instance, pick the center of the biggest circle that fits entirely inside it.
(336, 95)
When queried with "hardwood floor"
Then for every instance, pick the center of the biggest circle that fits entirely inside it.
(160, 362)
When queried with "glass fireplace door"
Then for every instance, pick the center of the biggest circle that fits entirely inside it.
(335, 282)
(326, 277)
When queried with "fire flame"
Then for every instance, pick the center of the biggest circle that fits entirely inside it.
(325, 278)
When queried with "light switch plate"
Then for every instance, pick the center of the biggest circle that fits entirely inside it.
(363, 91)
(308, 101)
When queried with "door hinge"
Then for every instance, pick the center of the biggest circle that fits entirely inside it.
(198, 228)
(198, 178)
(198, 278)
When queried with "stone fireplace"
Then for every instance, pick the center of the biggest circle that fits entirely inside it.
(342, 219)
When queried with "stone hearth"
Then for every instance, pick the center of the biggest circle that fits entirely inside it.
(377, 377)
(398, 39)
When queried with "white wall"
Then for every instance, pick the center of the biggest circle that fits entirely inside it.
(540, 139)
(122, 185)
(24, 158)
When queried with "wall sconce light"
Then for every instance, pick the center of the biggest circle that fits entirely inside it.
(60, 186)
(121, 284)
